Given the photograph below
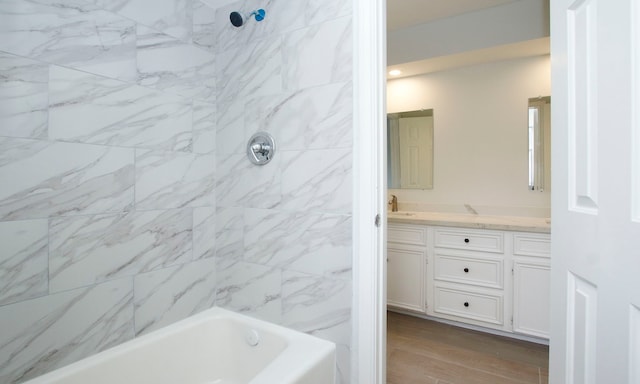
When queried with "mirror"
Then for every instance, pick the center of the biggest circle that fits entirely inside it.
(410, 149)
(538, 131)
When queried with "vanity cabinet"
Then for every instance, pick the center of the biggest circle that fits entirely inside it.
(531, 283)
(406, 267)
(468, 276)
(488, 278)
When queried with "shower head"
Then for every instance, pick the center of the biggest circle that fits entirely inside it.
(237, 20)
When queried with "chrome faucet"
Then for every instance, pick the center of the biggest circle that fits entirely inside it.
(394, 203)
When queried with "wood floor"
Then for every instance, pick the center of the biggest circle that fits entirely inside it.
(428, 352)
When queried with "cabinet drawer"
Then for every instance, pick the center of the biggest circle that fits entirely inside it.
(470, 305)
(407, 234)
(459, 269)
(470, 239)
(531, 245)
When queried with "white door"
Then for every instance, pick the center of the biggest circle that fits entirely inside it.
(595, 283)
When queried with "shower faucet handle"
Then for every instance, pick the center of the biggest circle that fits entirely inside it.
(261, 148)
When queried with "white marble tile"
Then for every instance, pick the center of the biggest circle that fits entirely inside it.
(230, 134)
(91, 109)
(171, 65)
(241, 183)
(254, 69)
(71, 33)
(172, 294)
(305, 242)
(204, 232)
(23, 97)
(204, 18)
(251, 289)
(318, 55)
(42, 179)
(311, 118)
(281, 17)
(172, 17)
(204, 127)
(174, 180)
(321, 307)
(317, 180)
(317, 305)
(24, 262)
(215, 4)
(49, 332)
(86, 250)
(318, 11)
(229, 235)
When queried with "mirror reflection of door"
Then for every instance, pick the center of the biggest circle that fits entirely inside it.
(415, 148)
(411, 150)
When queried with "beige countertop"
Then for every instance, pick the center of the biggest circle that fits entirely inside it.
(503, 223)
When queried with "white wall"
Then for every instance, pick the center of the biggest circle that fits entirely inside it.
(480, 117)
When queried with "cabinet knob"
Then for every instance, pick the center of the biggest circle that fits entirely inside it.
(466, 270)
(466, 303)
(466, 240)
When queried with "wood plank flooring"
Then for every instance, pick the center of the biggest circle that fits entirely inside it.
(428, 352)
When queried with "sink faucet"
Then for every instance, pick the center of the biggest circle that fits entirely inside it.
(394, 203)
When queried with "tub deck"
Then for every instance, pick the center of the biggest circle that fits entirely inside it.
(215, 346)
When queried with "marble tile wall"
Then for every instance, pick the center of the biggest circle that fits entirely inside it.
(126, 200)
(284, 230)
(107, 169)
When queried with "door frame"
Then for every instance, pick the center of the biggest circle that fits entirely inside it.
(368, 356)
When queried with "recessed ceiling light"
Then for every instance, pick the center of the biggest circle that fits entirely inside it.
(395, 72)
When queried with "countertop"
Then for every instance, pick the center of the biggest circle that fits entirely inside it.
(503, 223)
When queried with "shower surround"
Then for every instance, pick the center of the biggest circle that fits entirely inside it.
(126, 200)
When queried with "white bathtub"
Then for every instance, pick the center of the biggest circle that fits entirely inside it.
(211, 347)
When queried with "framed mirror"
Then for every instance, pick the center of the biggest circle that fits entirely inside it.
(410, 150)
(539, 117)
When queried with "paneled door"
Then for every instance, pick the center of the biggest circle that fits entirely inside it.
(595, 283)
(416, 152)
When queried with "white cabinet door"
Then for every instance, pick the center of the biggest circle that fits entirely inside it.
(405, 277)
(531, 283)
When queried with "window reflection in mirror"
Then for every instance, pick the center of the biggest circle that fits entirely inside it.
(538, 131)
(410, 149)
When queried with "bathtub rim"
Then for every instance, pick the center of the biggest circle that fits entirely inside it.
(288, 366)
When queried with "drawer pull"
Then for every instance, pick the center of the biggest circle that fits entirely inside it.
(466, 270)
(466, 241)
(466, 304)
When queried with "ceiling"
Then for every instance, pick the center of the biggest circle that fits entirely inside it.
(405, 13)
